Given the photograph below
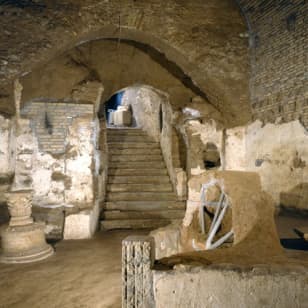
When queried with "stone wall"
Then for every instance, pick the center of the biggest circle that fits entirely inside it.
(6, 165)
(166, 141)
(5, 146)
(230, 286)
(145, 104)
(278, 43)
(51, 122)
(56, 157)
(277, 152)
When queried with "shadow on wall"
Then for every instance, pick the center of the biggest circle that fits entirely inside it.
(4, 213)
(179, 155)
(294, 243)
(211, 156)
(295, 200)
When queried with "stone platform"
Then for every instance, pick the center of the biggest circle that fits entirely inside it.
(24, 244)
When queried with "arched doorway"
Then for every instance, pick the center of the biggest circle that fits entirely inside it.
(140, 190)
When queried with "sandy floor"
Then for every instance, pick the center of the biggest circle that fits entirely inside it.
(84, 273)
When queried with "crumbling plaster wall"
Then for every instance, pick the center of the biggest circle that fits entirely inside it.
(62, 176)
(277, 152)
(6, 162)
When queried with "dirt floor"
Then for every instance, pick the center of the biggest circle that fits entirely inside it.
(85, 273)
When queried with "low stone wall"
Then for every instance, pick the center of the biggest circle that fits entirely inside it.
(229, 286)
(198, 283)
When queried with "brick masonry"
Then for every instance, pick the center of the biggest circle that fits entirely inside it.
(279, 58)
(51, 120)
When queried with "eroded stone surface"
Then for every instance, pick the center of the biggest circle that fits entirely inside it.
(277, 152)
(23, 241)
(231, 286)
(250, 216)
(137, 262)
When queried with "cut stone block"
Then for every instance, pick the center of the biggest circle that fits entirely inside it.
(81, 225)
(122, 118)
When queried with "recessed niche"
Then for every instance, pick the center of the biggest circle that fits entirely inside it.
(211, 156)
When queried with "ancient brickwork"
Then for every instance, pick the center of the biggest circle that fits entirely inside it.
(279, 61)
(51, 120)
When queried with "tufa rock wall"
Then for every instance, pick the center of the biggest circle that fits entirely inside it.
(277, 152)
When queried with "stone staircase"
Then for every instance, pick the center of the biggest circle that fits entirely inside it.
(139, 191)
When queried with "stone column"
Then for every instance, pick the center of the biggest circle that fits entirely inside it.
(137, 261)
(23, 241)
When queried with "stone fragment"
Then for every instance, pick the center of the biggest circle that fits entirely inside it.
(137, 262)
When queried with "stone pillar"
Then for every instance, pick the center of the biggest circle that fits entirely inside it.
(23, 241)
(137, 261)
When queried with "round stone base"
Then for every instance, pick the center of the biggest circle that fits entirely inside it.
(24, 244)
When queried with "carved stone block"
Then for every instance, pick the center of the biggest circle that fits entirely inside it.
(137, 262)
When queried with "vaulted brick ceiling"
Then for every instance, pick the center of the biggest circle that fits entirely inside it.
(205, 39)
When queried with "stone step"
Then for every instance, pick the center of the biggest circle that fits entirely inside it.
(139, 188)
(129, 138)
(123, 215)
(129, 131)
(140, 196)
(137, 165)
(133, 145)
(144, 205)
(136, 223)
(154, 179)
(136, 172)
(137, 151)
(138, 158)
